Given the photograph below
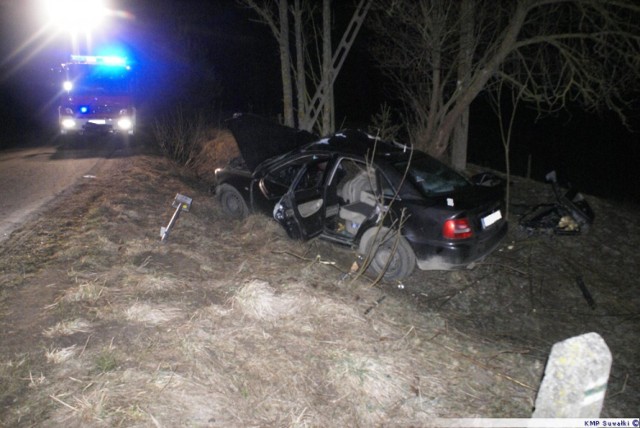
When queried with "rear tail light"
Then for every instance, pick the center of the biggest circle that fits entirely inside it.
(457, 229)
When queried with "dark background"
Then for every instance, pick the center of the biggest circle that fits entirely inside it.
(214, 57)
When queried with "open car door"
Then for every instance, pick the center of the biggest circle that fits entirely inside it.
(301, 211)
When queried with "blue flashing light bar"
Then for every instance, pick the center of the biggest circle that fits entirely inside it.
(99, 60)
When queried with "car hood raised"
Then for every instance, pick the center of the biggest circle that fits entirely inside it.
(260, 139)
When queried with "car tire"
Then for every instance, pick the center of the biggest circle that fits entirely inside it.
(232, 202)
(378, 245)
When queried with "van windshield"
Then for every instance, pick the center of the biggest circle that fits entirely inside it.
(91, 79)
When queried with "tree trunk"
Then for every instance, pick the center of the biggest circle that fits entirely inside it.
(480, 79)
(327, 68)
(299, 73)
(285, 64)
(461, 129)
(459, 142)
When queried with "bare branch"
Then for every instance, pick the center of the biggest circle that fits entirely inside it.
(267, 11)
(551, 52)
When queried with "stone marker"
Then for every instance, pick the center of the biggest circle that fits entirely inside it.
(575, 379)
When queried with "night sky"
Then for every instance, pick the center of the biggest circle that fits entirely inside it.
(212, 56)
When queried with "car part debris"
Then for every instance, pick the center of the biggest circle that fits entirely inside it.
(375, 304)
(180, 203)
(585, 292)
(570, 214)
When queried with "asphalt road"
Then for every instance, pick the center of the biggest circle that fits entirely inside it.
(31, 178)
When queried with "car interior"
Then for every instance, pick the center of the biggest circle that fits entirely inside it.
(354, 183)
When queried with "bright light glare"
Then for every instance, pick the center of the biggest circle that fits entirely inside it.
(114, 60)
(93, 59)
(76, 15)
(68, 123)
(67, 86)
(125, 123)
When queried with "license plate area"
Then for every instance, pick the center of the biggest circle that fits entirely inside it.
(490, 219)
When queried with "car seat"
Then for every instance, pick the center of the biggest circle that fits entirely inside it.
(361, 201)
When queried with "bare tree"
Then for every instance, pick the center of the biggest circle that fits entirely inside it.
(274, 13)
(316, 63)
(440, 55)
(328, 113)
(301, 81)
(506, 118)
(466, 37)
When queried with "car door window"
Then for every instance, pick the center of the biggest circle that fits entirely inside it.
(277, 182)
(352, 177)
(313, 176)
(387, 189)
(304, 204)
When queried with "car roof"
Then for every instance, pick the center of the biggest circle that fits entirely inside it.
(358, 143)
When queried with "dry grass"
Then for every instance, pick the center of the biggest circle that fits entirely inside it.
(216, 153)
(68, 327)
(152, 314)
(225, 336)
(228, 324)
(58, 356)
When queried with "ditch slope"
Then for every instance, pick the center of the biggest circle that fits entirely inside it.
(233, 324)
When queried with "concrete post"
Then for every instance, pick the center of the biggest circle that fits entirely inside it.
(575, 379)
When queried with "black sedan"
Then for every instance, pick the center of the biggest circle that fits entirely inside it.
(399, 207)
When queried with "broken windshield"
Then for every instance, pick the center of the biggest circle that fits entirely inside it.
(432, 177)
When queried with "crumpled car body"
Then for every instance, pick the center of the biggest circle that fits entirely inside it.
(399, 207)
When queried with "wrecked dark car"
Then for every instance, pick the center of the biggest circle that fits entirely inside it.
(397, 206)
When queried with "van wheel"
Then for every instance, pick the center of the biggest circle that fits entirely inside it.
(389, 252)
(233, 204)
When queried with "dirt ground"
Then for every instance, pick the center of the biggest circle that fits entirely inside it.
(233, 324)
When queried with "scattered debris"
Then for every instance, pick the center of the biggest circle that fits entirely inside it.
(585, 292)
(569, 215)
(180, 203)
(376, 303)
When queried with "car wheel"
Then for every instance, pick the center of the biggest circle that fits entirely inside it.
(233, 204)
(388, 252)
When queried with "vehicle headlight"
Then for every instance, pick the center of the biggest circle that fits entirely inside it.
(68, 123)
(125, 123)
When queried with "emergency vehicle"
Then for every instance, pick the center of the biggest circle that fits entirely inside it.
(97, 96)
